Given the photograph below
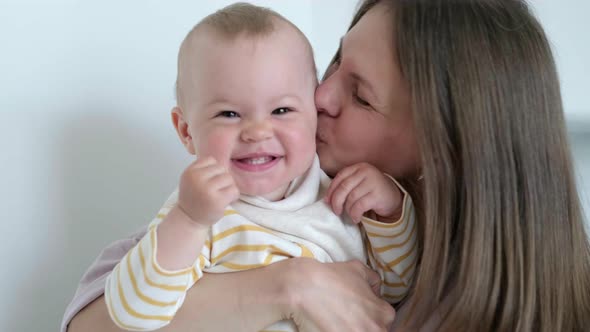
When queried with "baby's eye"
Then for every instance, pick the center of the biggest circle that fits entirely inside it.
(228, 114)
(281, 110)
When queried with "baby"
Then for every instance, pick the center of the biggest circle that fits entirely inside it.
(245, 95)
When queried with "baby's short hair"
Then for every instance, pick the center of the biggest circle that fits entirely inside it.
(240, 19)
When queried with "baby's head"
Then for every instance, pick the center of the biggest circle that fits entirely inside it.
(245, 95)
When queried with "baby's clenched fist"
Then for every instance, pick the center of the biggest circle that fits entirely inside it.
(205, 190)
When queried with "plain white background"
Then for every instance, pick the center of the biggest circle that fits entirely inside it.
(88, 151)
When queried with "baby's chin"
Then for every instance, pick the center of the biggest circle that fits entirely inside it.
(272, 194)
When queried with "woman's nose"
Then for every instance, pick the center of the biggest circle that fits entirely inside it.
(328, 97)
(256, 131)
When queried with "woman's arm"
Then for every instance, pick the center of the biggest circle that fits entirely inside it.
(318, 297)
(217, 305)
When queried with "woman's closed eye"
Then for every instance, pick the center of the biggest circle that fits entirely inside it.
(361, 101)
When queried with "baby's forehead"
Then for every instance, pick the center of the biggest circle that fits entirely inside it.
(206, 51)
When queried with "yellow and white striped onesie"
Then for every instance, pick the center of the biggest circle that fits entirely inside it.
(254, 232)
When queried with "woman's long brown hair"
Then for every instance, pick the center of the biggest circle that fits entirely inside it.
(503, 245)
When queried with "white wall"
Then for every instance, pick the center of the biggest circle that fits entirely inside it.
(88, 152)
(566, 23)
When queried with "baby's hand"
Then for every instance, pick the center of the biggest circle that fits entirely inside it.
(205, 190)
(362, 187)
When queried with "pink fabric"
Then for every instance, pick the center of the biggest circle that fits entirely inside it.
(92, 284)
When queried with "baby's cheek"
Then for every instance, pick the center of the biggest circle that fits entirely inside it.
(304, 143)
(217, 145)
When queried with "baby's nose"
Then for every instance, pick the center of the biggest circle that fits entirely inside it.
(257, 131)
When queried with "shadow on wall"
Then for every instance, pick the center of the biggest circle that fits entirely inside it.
(115, 174)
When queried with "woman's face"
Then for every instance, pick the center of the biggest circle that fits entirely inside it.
(364, 104)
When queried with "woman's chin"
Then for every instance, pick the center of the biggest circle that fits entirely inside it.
(328, 165)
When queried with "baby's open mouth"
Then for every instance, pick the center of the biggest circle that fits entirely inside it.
(257, 160)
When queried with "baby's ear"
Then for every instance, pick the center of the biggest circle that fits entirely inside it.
(182, 129)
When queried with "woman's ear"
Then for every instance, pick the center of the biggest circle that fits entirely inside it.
(182, 129)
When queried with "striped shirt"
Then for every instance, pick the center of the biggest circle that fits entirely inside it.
(141, 295)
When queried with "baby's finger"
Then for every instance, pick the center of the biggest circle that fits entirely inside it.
(341, 192)
(360, 191)
(202, 162)
(220, 180)
(206, 173)
(341, 176)
(359, 207)
(231, 192)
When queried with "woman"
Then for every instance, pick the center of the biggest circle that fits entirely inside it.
(460, 101)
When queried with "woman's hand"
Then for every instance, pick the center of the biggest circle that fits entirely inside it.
(336, 297)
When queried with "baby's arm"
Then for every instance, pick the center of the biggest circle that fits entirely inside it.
(140, 293)
(148, 286)
(386, 213)
(392, 249)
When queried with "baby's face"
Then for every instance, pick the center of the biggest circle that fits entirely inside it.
(250, 105)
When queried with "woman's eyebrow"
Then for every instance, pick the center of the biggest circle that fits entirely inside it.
(360, 79)
(356, 76)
